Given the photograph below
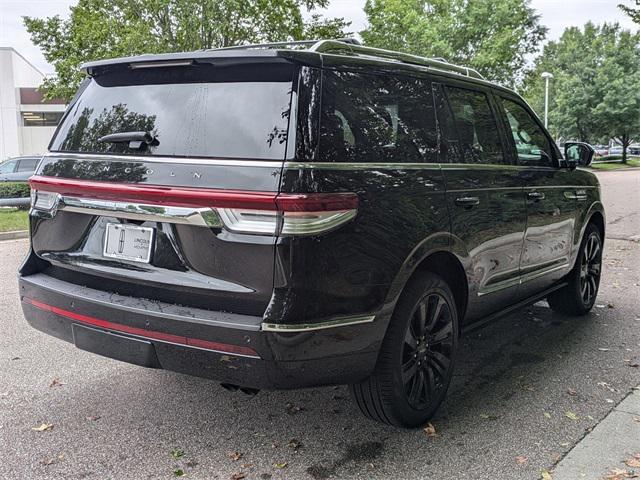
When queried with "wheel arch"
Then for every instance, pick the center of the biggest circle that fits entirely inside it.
(443, 255)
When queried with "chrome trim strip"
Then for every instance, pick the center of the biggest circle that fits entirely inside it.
(200, 217)
(174, 160)
(360, 166)
(520, 280)
(305, 327)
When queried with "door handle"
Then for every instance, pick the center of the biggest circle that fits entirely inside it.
(467, 201)
(535, 196)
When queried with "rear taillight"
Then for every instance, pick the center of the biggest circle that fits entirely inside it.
(266, 213)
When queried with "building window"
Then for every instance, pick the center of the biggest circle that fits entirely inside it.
(41, 119)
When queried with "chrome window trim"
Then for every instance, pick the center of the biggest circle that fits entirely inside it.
(305, 327)
(174, 160)
(359, 166)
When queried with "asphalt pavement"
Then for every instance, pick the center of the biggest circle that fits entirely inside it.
(528, 388)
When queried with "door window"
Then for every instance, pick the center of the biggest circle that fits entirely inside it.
(27, 165)
(8, 167)
(476, 126)
(376, 118)
(532, 145)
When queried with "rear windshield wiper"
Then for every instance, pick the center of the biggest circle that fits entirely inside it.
(135, 139)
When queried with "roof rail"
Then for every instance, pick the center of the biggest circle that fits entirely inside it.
(293, 43)
(338, 46)
(351, 46)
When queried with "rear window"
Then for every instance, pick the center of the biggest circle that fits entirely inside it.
(377, 118)
(201, 111)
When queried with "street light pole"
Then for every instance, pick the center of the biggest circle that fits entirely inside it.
(547, 76)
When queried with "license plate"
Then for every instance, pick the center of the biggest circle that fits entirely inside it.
(128, 242)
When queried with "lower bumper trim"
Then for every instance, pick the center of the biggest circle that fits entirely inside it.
(143, 333)
(305, 327)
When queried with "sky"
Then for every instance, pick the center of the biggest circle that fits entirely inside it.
(556, 15)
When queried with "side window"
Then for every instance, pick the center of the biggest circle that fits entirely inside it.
(8, 167)
(532, 145)
(477, 128)
(27, 165)
(376, 118)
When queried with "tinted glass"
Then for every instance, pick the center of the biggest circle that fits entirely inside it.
(476, 126)
(532, 145)
(27, 165)
(371, 118)
(8, 167)
(206, 111)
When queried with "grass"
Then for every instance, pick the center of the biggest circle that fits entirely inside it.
(13, 219)
(617, 165)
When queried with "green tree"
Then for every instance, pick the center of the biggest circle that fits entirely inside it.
(594, 93)
(634, 13)
(99, 29)
(492, 37)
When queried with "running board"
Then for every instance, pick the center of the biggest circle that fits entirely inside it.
(523, 303)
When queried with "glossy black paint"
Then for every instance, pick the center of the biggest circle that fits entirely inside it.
(505, 244)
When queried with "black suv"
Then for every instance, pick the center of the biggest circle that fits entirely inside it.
(274, 216)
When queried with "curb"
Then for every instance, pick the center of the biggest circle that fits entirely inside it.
(14, 235)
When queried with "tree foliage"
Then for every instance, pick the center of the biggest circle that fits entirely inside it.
(493, 37)
(634, 13)
(99, 29)
(595, 93)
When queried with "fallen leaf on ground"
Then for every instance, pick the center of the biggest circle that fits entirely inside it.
(56, 383)
(43, 427)
(572, 392)
(177, 453)
(633, 462)
(547, 414)
(93, 418)
(294, 444)
(235, 456)
(178, 473)
(281, 465)
(546, 475)
(636, 419)
(488, 417)
(619, 474)
(293, 409)
(238, 476)
(521, 459)
(570, 415)
(430, 430)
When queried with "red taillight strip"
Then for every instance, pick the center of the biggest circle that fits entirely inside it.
(156, 194)
(141, 332)
(196, 197)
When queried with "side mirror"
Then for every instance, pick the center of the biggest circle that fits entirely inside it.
(578, 153)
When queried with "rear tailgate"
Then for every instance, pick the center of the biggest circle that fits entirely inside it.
(178, 216)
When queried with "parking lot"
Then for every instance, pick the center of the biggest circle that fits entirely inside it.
(527, 389)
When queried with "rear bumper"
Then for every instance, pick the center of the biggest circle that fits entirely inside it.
(228, 348)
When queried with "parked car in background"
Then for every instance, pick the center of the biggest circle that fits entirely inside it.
(634, 149)
(281, 218)
(615, 150)
(601, 150)
(18, 169)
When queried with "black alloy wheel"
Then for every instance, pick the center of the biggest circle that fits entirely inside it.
(428, 347)
(590, 267)
(416, 360)
(583, 282)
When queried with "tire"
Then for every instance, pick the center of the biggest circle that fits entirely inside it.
(416, 359)
(579, 296)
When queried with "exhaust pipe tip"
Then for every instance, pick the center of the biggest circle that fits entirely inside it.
(234, 388)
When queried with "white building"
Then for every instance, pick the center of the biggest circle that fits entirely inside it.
(27, 122)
